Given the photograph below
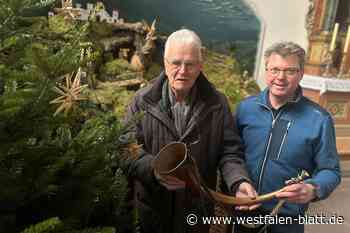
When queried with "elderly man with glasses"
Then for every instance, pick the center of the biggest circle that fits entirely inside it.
(182, 105)
(284, 133)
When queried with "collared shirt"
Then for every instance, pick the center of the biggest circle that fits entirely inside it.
(181, 110)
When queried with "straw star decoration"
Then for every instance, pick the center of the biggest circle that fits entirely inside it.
(70, 93)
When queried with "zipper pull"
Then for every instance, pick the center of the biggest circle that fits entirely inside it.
(289, 124)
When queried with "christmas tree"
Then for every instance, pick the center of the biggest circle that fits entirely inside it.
(60, 153)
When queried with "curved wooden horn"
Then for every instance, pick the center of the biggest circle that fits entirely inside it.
(230, 200)
(174, 159)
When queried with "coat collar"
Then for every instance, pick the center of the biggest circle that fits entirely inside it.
(264, 95)
(206, 101)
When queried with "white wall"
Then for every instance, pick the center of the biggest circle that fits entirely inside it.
(280, 20)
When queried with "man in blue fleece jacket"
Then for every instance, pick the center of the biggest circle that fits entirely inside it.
(284, 133)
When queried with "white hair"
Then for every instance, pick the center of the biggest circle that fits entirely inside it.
(184, 36)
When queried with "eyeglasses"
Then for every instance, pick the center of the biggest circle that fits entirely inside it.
(290, 72)
(190, 65)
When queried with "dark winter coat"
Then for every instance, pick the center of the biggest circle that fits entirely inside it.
(219, 147)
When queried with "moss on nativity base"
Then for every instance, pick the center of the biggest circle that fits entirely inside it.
(117, 69)
(222, 71)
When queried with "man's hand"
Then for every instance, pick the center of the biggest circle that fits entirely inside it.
(246, 190)
(300, 193)
(170, 182)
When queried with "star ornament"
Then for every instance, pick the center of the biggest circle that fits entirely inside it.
(70, 94)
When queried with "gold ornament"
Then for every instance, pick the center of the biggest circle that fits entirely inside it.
(70, 94)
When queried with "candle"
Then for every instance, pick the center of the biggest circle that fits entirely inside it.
(347, 40)
(334, 37)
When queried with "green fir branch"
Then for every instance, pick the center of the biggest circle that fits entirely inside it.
(48, 226)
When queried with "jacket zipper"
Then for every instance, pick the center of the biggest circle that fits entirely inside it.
(267, 148)
(284, 138)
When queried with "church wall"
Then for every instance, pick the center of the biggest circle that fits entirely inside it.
(280, 20)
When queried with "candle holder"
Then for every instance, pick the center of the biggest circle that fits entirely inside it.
(341, 73)
(328, 64)
(328, 58)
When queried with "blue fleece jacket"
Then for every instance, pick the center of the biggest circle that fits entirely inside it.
(300, 137)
